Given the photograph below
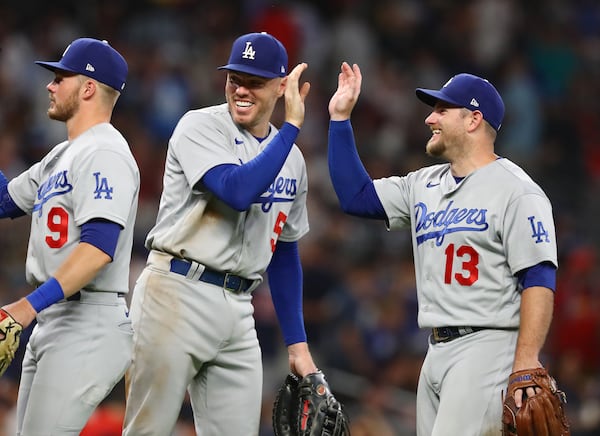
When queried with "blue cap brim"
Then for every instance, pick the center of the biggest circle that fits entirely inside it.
(52, 66)
(432, 96)
(249, 70)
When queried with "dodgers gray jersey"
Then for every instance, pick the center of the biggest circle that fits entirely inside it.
(93, 176)
(470, 238)
(193, 224)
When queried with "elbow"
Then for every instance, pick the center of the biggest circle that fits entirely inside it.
(239, 204)
(347, 208)
(351, 209)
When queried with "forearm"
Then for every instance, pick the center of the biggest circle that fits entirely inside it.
(82, 265)
(239, 185)
(351, 182)
(285, 282)
(537, 304)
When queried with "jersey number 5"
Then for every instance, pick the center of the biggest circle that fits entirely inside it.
(58, 224)
(470, 259)
(279, 223)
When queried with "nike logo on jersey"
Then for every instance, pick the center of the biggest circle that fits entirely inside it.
(238, 141)
(57, 184)
(431, 184)
(437, 224)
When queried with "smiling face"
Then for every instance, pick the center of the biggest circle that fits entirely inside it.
(252, 99)
(448, 128)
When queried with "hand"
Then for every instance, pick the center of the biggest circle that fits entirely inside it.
(521, 394)
(346, 95)
(300, 359)
(295, 95)
(21, 311)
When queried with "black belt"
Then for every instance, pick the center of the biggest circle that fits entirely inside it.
(446, 334)
(77, 296)
(226, 281)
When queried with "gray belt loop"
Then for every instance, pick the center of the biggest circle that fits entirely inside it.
(195, 271)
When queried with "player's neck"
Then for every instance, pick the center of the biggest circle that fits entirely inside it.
(83, 121)
(466, 165)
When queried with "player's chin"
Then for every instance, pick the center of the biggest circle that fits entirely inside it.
(435, 148)
(243, 118)
(57, 115)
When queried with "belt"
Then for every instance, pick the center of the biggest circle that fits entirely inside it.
(227, 281)
(77, 296)
(447, 334)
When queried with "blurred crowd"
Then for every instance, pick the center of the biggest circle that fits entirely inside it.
(360, 302)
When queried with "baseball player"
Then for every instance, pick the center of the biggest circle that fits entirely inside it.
(483, 244)
(233, 206)
(82, 199)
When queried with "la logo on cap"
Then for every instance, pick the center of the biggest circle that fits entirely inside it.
(248, 52)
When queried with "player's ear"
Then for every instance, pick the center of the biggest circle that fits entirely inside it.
(89, 88)
(476, 120)
(282, 85)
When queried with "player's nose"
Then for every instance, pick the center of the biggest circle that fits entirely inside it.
(431, 118)
(240, 89)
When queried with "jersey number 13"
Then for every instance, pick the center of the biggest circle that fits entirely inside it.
(469, 273)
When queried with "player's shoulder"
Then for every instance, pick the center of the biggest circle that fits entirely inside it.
(206, 118)
(430, 172)
(103, 137)
(208, 114)
(513, 178)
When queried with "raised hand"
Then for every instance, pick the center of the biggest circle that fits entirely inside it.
(295, 95)
(346, 95)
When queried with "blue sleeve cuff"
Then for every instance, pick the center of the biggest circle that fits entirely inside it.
(102, 234)
(46, 295)
(542, 274)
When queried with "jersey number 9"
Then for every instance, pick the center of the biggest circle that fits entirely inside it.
(58, 224)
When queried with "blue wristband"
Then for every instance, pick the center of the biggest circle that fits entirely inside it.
(46, 295)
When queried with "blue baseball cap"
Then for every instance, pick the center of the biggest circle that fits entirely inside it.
(471, 92)
(92, 58)
(259, 54)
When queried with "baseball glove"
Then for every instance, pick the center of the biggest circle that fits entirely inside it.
(10, 332)
(306, 407)
(540, 415)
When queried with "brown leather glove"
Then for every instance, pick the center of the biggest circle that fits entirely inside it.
(540, 415)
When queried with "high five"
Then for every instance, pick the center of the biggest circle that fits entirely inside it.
(483, 243)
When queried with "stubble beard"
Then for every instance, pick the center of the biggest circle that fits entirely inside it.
(435, 149)
(65, 111)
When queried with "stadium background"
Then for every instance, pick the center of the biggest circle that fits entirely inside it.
(544, 57)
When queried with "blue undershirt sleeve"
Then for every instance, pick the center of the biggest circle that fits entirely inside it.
(542, 274)
(285, 282)
(102, 234)
(8, 208)
(239, 185)
(352, 183)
